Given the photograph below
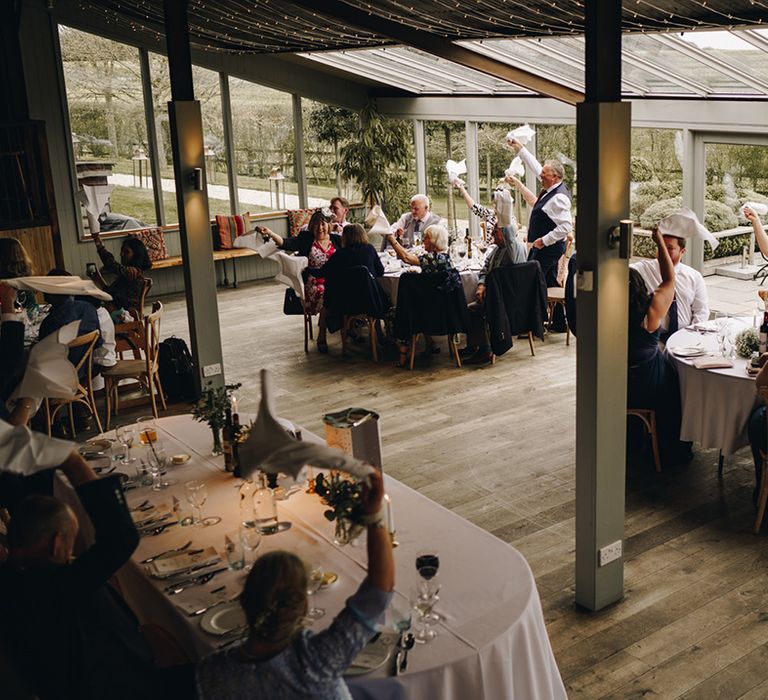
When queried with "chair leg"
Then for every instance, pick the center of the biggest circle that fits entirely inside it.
(48, 418)
(720, 464)
(453, 348)
(655, 442)
(152, 395)
(567, 328)
(762, 499)
(413, 350)
(108, 399)
(159, 386)
(530, 342)
(92, 404)
(374, 342)
(72, 419)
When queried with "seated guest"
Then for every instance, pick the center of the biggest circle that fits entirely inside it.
(355, 251)
(67, 632)
(414, 222)
(507, 250)
(15, 262)
(499, 217)
(64, 310)
(690, 303)
(339, 209)
(651, 380)
(11, 343)
(319, 227)
(281, 659)
(435, 259)
(105, 355)
(128, 286)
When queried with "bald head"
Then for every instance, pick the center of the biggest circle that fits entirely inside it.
(42, 529)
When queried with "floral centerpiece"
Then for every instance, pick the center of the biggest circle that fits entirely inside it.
(747, 342)
(211, 409)
(344, 496)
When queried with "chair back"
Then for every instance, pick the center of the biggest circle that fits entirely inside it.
(562, 264)
(429, 303)
(152, 337)
(291, 267)
(88, 340)
(516, 303)
(355, 292)
(138, 313)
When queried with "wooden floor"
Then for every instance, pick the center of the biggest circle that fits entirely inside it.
(496, 445)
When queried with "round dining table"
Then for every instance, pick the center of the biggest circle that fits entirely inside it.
(716, 403)
(491, 638)
(469, 271)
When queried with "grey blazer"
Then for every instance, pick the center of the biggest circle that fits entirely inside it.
(410, 226)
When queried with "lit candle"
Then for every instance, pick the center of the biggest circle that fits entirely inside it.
(389, 514)
(233, 403)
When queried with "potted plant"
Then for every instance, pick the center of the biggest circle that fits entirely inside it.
(211, 409)
(344, 496)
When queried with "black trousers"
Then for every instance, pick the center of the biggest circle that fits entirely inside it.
(548, 258)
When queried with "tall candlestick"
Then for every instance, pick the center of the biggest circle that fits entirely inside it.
(389, 513)
(233, 402)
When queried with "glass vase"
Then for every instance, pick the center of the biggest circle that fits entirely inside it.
(217, 448)
(346, 532)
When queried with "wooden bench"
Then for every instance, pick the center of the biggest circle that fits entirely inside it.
(231, 254)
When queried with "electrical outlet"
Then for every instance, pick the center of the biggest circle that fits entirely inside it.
(610, 553)
(211, 370)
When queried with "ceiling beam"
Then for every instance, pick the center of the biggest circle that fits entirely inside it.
(439, 46)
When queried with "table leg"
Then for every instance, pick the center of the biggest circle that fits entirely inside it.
(226, 279)
(720, 465)
(234, 273)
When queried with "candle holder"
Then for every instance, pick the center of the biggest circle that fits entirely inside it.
(310, 480)
(393, 539)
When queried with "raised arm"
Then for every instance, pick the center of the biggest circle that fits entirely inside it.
(665, 293)
(463, 191)
(401, 252)
(757, 227)
(381, 563)
(528, 196)
(264, 231)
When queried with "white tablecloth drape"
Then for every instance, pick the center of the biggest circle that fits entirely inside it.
(716, 403)
(491, 644)
(391, 281)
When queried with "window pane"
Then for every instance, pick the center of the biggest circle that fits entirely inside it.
(445, 140)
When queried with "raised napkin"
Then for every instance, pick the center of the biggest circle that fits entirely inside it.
(502, 200)
(523, 134)
(516, 168)
(455, 169)
(376, 221)
(49, 374)
(757, 207)
(291, 267)
(254, 241)
(685, 224)
(64, 286)
(24, 452)
(271, 449)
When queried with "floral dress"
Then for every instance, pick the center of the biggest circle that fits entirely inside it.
(315, 286)
(435, 262)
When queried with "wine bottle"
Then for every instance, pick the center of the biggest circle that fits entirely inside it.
(469, 245)
(226, 440)
(764, 334)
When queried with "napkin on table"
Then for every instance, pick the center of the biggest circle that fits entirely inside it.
(712, 362)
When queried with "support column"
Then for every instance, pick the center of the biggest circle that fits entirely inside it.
(300, 165)
(194, 221)
(420, 150)
(229, 143)
(149, 118)
(473, 174)
(603, 140)
(694, 187)
(531, 181)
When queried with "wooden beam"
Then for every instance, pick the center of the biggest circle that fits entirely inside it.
(439, 46)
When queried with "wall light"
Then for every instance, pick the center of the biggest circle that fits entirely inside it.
(621, 236)
(195, 179)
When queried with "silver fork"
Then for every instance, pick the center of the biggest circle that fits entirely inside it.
(149, 560)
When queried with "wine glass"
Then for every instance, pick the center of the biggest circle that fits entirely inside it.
(314, 581)
(197, 495)
(251, 539)
(427, 563)
(423, 602)
(158, 461)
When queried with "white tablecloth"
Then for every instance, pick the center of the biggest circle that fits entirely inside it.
(391, 281)
(716, 403)
(493, 643)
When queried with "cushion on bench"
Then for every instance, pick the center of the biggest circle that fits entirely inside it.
(154, 241)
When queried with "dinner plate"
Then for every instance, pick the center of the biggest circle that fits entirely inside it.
(223, 618)
(373, 655)
(696, 351)
(96, 445)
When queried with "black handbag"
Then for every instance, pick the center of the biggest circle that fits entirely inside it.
(292, 305)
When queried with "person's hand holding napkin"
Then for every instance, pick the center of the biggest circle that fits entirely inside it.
(455, 169)
(685, 224)
(271, 449)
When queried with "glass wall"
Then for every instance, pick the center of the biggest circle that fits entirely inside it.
(445, 140)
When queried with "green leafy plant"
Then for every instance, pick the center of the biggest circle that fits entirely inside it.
(213, 404)
(345, 500)
(717, 216)
(747, 342)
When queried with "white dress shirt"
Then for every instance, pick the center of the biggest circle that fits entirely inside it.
(690, 291)
(105, 356)
(400, 223)
(558, 208)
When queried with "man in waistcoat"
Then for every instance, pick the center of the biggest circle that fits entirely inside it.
(412, 224)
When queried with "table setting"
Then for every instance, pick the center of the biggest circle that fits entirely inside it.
(465, 613)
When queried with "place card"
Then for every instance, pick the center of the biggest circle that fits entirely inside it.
(193, 600)
(169, 566)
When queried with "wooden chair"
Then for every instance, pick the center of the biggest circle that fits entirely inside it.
(371, 322)
(84, 392)
(453, 349)
(556, 295)
(762, 498)
(290, 275)
(145, 370)
(648, 418)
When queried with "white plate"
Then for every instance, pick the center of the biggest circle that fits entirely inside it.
(689, 352)
(223, 618)
(373, 655)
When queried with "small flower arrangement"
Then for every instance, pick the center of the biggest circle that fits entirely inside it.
(345, 498)
(747, 342)
(211, 409)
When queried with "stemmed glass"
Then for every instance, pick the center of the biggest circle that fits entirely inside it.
(158, 461)
(197, 495)
(251, 539)
(314, 581)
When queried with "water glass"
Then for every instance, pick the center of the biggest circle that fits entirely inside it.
(157, 461)
(315, 576)
(235, 550)
(183, 512)
(251, 541)
(197, 495)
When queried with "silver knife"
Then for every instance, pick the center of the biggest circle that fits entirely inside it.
(183, 585)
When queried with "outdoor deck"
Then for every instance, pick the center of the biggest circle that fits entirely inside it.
(497, 446)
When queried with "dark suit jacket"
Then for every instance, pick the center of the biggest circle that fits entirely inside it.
(302, 242)
(352, 256)
(11, 356)
(66, 631)
(67, 312)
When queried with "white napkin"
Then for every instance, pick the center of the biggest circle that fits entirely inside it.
(502, 199)
(291, 267)
(685, 224)
(49, 373)
(65, 286)
(523, 134)
(376, 221)
(757, 207)
(24, 452)
(455, 169)
(712, 362)
(516, 168)
(270, 448)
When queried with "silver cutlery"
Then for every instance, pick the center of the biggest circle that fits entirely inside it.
(157, 531)
(149, 560)
(144, 505)
(408, 643)
(197, 581)
(189, 569)
(233, 636)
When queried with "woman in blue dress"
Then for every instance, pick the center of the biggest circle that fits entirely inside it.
(651, 379)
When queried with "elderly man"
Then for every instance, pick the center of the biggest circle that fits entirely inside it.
(691, 303)
(413, 222)
(550, 221)
(339, 209)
